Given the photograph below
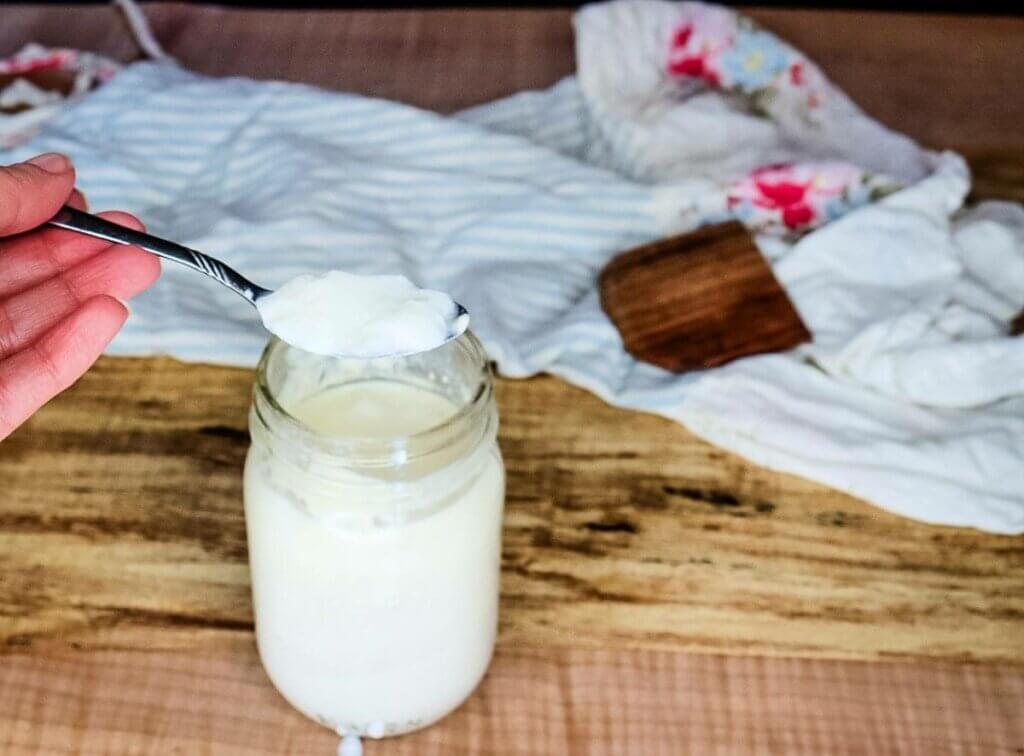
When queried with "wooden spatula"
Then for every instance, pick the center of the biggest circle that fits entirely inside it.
(699, 300)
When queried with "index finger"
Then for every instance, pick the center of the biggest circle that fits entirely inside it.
(29, 259)
(32, 192)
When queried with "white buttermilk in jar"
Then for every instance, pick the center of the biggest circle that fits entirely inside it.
(374, 492)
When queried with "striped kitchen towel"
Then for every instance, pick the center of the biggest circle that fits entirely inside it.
(911, 394)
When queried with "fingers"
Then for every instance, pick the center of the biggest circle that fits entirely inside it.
(28, 260)
(32, 192)
(121, 272)
(78, 201)
(34, 375)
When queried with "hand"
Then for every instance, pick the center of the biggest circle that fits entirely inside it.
(59, 291)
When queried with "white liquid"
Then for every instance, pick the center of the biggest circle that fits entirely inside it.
(376, 630)
(341, 314)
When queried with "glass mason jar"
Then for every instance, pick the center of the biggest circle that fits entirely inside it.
(374, 492)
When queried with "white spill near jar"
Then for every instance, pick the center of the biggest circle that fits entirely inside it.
(374, 492)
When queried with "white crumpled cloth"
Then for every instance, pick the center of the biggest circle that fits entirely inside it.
(912, 393)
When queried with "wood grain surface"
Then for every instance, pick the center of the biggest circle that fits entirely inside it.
(699, 300)
(533, 702)
(122, 526)
(631, 548)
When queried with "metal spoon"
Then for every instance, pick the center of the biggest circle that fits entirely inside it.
(91, 225)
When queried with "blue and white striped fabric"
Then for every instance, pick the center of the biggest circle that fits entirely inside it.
(280, 179)
(513, 208)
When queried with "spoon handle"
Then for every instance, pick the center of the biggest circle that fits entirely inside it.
(75, 220)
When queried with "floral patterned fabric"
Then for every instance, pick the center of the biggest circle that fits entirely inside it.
(25, 106)
(791, 198)
(33, 58)
(731, 52)
(717, 48)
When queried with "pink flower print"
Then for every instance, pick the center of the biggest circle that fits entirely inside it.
(713, 45)
(696, 43)
(690, 60)
(794, 191)
(682, 36)
(807, 84)
(37, 60)
(787, 197)
(797, 216)
(798, 197)
(783, 194)
(695, 67)
(773, 195)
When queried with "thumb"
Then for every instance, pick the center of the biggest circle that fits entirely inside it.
(32, 192)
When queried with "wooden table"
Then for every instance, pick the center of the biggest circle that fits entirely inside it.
(659, 596)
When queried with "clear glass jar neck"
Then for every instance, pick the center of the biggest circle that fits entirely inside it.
(458, 371)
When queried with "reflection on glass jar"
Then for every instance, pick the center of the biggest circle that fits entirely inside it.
(373, 498)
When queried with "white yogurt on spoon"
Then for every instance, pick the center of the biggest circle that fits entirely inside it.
(343, 314)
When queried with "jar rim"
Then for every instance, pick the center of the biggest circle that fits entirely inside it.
(378, 450)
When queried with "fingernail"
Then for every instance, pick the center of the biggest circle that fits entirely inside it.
(51, 162)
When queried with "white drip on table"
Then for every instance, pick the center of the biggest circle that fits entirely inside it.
(350, 745)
